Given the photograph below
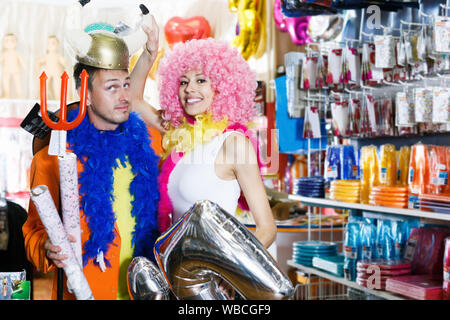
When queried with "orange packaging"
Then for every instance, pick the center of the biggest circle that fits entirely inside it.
(404, 156)
(369, 171)
(438, 170)
(388, 165)
(419, 172)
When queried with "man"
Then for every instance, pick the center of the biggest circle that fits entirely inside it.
(117, 172)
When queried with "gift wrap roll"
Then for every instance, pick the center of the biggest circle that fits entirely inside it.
(49, 216)
(69, 200)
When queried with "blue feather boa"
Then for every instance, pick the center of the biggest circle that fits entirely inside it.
(100, 151)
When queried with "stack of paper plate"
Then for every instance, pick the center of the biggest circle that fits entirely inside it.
(373, 273)
(310, 186)
(389, 196)
(435, 202)
(304, 251)
(345, 190)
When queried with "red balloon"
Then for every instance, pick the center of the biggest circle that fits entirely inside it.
(179, 29)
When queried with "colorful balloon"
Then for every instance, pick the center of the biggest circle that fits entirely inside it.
(250, 32)
(179, 29)
(296, 27)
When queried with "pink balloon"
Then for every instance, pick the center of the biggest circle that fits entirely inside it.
(296, 27)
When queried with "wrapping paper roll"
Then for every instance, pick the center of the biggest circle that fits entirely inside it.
(49, 216)
(69, 200)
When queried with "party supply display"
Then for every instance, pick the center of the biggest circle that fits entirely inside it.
(303, 252)
(420, 287)
(193, 269)
(49, 216)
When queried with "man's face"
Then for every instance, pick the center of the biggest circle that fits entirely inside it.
(108, 101)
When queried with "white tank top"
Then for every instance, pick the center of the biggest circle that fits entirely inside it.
(194, 178)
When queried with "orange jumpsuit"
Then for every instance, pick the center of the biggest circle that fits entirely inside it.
(104, 285)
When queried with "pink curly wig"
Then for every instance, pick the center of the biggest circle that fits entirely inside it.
(232, 80)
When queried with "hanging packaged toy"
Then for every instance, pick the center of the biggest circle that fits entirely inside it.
(386, 117)
(353, 74)
(404, 109)
(334, 66)
(441, 105)
(423, 105)
(401, 54)
(310, 78)
(355, 117)
(373, 74)
(311, 127)
(295, 103)
(340, 115)
(373, 113)
(384, 51)
(442, 34)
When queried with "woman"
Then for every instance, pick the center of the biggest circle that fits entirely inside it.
(206, 94)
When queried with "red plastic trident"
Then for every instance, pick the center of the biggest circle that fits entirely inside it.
(62, 124)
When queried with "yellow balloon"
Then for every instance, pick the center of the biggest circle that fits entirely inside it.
(152, 74)
(251, 40)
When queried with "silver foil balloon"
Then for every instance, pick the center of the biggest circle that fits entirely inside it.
(145, 281)
(206, 245)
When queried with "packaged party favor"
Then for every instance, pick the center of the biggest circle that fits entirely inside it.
(438, 170)
(369, 171)
(419, 173)
(388, 165)
(403, 158)
(352, 247)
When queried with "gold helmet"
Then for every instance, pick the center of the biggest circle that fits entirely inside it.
(106, 51)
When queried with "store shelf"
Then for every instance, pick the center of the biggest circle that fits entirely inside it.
(327, 203)
(352, 284)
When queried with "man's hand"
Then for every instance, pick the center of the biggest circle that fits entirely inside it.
(53, 252)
